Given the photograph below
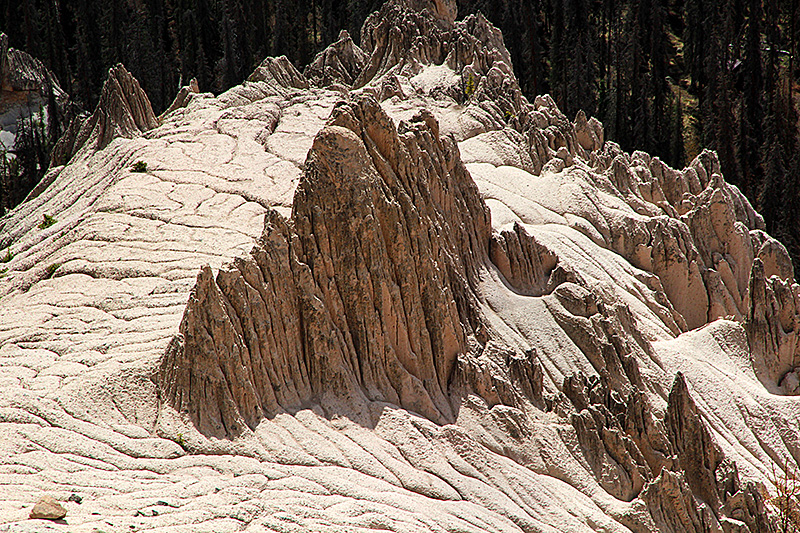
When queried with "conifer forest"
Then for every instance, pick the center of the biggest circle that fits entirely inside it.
(669, 77)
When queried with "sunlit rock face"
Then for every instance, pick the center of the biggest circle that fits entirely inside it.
(390, 293)
(33, 111)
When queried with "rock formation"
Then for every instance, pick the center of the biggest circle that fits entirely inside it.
(32, 104)
(27, 87)
(123, 111)
(338, 65)
(182, 99)
(391, 293)
(388, 229)
(279, 71)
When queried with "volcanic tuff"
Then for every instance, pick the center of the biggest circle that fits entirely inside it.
(389, 293)
(30, 98)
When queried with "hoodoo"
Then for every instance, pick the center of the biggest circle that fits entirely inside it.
(390, 293)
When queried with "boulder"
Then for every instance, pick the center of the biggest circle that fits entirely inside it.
(48, 509)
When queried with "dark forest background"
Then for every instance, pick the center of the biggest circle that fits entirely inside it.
(669, 77)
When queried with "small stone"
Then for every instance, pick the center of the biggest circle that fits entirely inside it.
(75, 498)
(48, 509)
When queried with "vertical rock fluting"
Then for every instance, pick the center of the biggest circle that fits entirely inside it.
(280, 72)
(773, 324)
(122, 111)
(338, 65)
(713, 479)
(369, 294)
(707, 246)
(698, 455)
(701, 236)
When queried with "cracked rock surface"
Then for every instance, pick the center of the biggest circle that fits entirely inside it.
(389, 294)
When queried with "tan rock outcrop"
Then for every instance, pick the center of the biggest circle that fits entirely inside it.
(772, 322)
(122, 111)
(428, 304)
(30, 91)
(338, 65)
(713, 478)
(373, 284)
(335, 307)
(670, 502)
(182, 99)
(279, 71)
(697, 453)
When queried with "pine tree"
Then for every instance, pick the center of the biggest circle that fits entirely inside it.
(750, 138)
(695, 40)
(558, 54)
(772, 193)
(676, 153)
(581, 90)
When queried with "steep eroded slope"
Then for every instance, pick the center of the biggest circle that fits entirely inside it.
(453, 310)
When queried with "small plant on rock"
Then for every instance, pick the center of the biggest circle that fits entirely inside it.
(7, 257)
(47, 221)
(51, 269)
(140, 166)
(787, 501)
(469, 87)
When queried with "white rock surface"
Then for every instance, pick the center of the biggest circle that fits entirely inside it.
(598, 277)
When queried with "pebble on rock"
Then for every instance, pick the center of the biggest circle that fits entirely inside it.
(48, 509)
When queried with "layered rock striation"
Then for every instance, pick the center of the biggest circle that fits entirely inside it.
(391, 293)
(369, 282)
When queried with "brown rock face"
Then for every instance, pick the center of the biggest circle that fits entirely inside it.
(670, 502)
(371, 292)
(711, 477)
(772, 325)
(279, 71)
(21, 72)
(27, 86)
(368, 293)
(698, 454)
(182, 99)
(123, 111)
(338, 65)
(429, 35)
(48, 509)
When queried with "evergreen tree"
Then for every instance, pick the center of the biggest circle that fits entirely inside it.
(695, 39)
(772, 194)
(640, 66)
(750, 139)
(677, 152)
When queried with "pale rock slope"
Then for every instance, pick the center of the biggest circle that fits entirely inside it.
(389, 294)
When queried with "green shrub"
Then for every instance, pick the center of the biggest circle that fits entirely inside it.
(469, 87)
(140, 166)
(47, 221)
(51, 269)
(7, 257)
